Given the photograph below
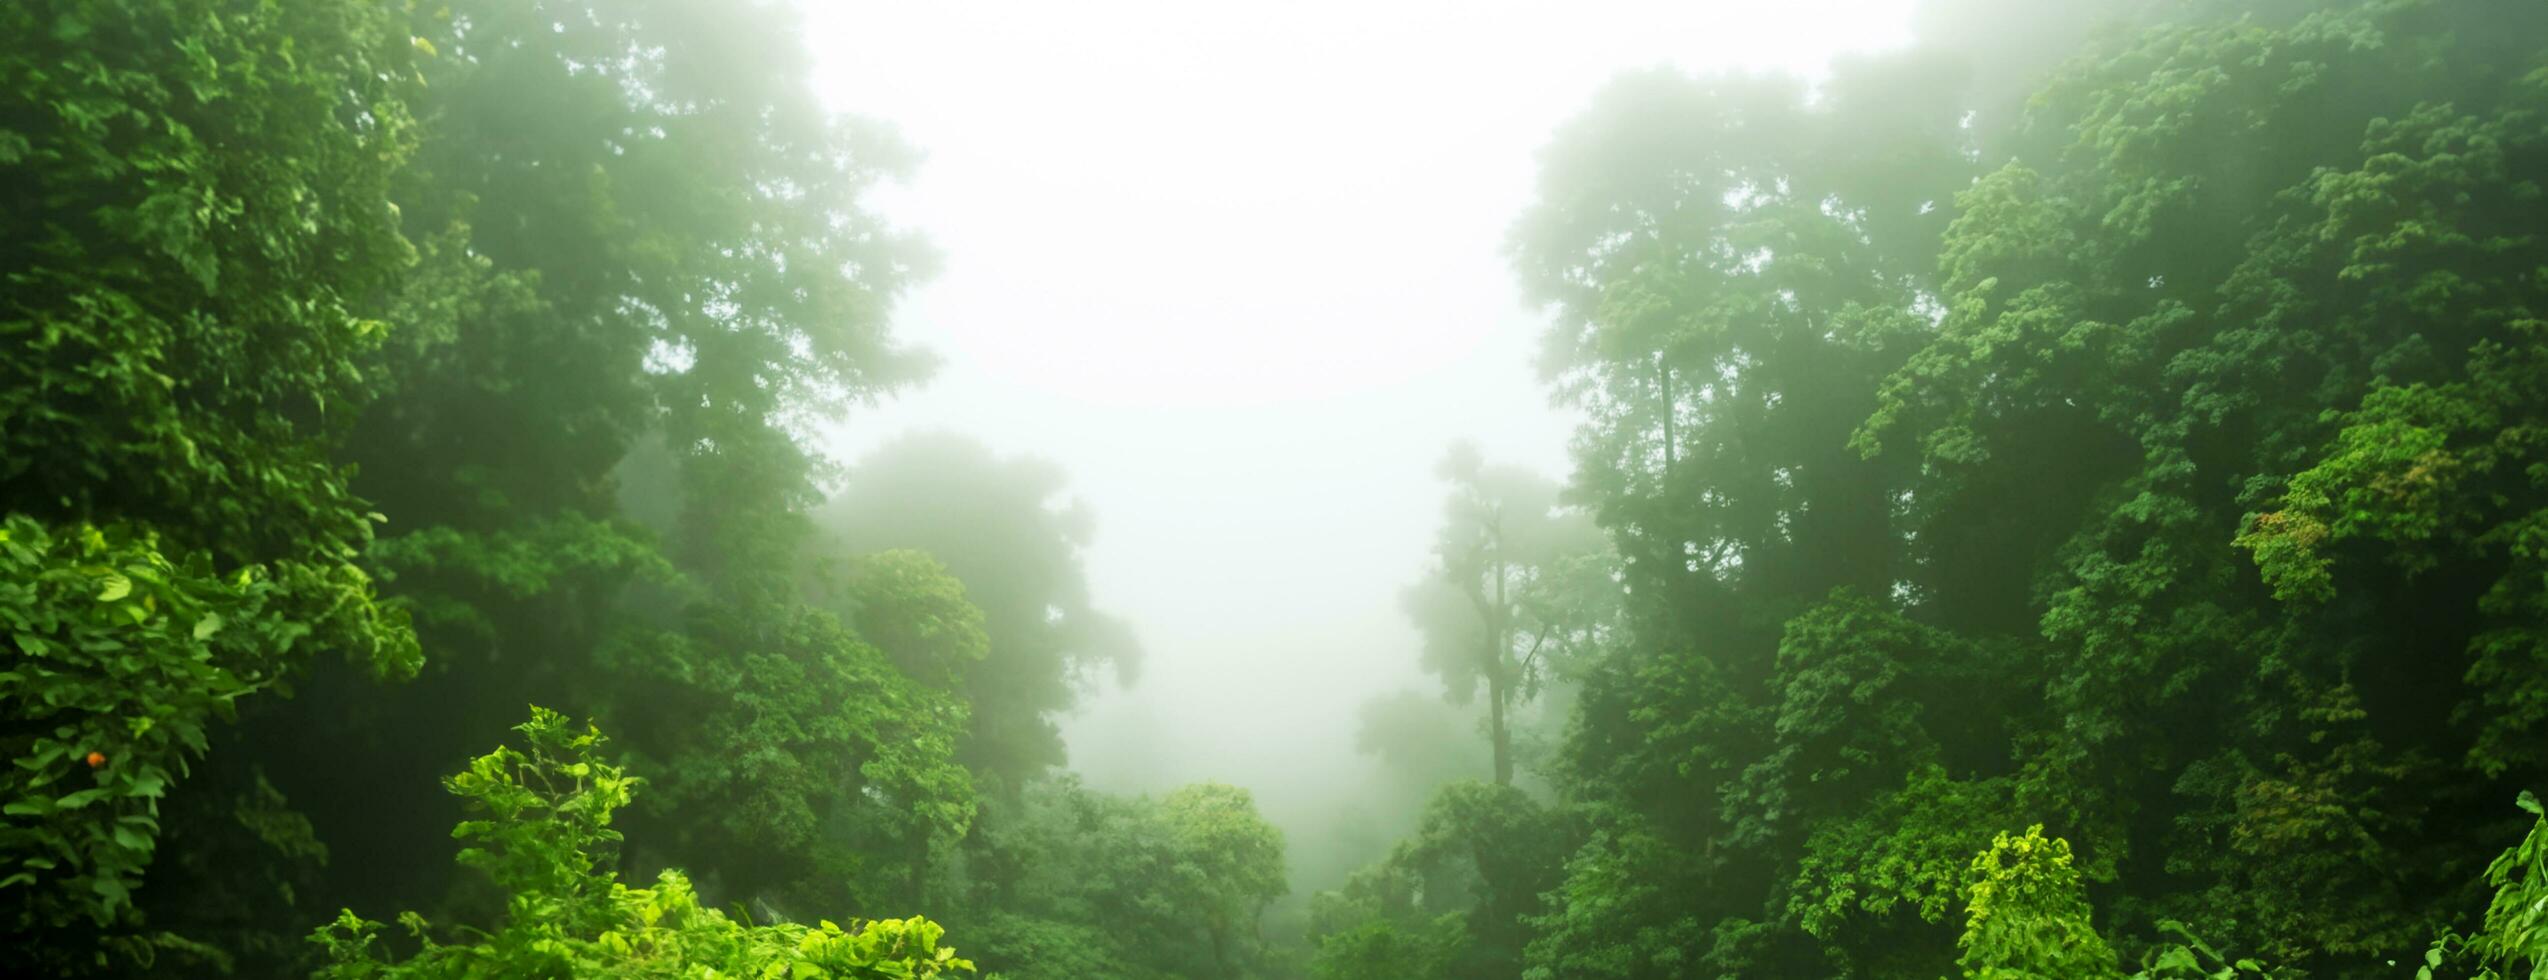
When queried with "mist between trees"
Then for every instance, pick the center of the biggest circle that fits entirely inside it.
(2065, 498)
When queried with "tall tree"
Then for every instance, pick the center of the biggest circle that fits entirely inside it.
(1002, 529)
(2070, 470)
(642, 265)
(1520, 583)
(197, 243)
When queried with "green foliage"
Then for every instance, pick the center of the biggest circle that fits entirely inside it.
(1618, 913)
(1911, 851)
(2137, 431)
(195, 232)
(2516, 935)
(197, 228)
(1233, 858)
(909, 605)
(124, 660)
(2514, 939)
(1070, 882)
(997, 526)
(2027, 918)
(1970, 468)
(1521, 586)
(587, 270)
(2190, 958)
(1383, 948)
(541, 831)
(763, 732)
(1451, 900)
(642, 268)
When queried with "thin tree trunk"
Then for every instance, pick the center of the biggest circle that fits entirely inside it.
(1671, 408)
(1499, 685)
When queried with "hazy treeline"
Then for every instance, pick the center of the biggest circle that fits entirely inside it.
(2076, 493)
(2065, 499)
(373, 371)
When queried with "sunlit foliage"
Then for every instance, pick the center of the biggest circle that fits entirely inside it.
(541, 830)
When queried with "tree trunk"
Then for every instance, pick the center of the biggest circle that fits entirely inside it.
(1671, 408)
(1499, 653)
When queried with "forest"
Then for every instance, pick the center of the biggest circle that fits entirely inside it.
(2064, 497)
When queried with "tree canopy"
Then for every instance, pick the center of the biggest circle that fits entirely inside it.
(2134, 450)
(2064, 498)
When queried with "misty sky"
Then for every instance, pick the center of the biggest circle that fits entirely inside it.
(1238, 270)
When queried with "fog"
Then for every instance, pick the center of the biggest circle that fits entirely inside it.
(1238, 271)
(1306, 491)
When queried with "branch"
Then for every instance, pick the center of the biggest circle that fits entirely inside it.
(1533, 655)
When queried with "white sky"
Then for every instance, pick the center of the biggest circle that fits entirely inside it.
(1238, 270)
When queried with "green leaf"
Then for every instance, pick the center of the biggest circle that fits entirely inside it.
(116, 587)
(80, 799)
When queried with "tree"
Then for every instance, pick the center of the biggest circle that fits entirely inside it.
(2196, 330)
(997, 527)
(1451, 901)
(641, 264)
(779, 745)
(1730, 268)
(1232, 863)
(196, 239)
(1972, 469)
(1079, 883)
(1520, 584)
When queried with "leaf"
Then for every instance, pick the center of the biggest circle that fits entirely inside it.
(112, 890)
(116, 587)
(208, 625)
(80, 799)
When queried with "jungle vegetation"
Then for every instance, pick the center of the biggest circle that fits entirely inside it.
(2065, 499)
